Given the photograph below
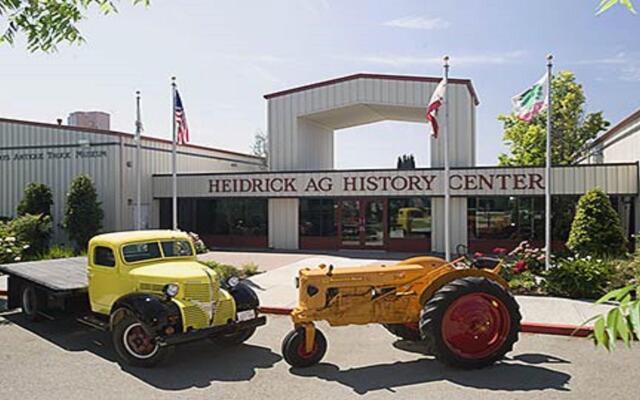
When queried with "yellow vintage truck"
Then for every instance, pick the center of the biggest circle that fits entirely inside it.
(145, 287)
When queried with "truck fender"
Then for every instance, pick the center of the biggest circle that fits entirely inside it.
(452, 275)
(151, 310)
(244, 296)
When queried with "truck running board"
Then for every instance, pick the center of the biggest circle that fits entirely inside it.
(93, 322)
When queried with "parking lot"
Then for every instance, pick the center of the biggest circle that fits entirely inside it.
(61, 359)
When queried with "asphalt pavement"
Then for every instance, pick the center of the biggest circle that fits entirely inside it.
(62, 359)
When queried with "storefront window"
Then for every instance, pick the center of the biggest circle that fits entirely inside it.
(242, 217)
(318, 217)
(409, 218)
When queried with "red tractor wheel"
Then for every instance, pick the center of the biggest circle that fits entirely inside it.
(470, 323)
(294, 350)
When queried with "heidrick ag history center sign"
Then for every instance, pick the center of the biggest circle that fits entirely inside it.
(419, 182)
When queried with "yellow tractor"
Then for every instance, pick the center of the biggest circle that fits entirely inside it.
(461, 310)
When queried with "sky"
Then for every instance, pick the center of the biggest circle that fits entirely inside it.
(227, 54)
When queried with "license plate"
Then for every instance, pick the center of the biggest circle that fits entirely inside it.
(246, 315)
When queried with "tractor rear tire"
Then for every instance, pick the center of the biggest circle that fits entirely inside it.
(293, 348)
(403, 331)
(470, 323)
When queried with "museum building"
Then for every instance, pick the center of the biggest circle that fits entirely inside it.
(302, 202)
(299, 200)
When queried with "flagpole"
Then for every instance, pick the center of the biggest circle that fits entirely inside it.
(547, 172)
(174, 158)
(447, 195)
(138, 158)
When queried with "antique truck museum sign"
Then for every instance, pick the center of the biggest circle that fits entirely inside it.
(471, 181)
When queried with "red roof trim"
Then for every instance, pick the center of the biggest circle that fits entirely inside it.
(122, 134)
(430, 79)
(617, 127)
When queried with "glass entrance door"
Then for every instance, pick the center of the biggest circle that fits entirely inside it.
(362, 223)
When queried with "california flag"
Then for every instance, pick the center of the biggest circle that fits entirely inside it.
(437, 99)
(529, 103)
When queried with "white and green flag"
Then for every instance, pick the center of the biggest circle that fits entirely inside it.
(529, 103)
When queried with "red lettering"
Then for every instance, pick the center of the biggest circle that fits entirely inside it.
(519, 181)
(257, 185)
(325, 184)
(470, 182)
(485, 182)
(414, 183)
(349, 183)
(428, 180)
(503, 180)
(289, 185)
(451, 178)
(536, 180)
(372, 183)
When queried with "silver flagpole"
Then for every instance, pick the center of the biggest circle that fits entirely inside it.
(547, 172)
(174, 158)
(445, 136)
(138, 158)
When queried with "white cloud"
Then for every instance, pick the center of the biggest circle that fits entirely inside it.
(471, 59)
(418, 23)
(621, 66)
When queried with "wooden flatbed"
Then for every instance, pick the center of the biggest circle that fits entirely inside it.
(63, 276)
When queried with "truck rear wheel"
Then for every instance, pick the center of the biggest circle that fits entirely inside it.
(470, 323)
(30, 301)
(134, 345)
(294, 351)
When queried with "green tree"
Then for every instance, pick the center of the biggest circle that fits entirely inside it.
(596, 228)
(83, 212)
(47, 23)
(571, 128)
(34, 230)
(607, 4)
(37, 199)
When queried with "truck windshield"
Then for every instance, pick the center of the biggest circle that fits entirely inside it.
(151, 250)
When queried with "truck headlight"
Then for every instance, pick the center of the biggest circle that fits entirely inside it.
(233, 281)
(171, 290)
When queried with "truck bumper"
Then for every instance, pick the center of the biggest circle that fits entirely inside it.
(192, 336)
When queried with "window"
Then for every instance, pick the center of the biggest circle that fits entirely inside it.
(318, 217)
(511, 218)
(409, 218)
(103, 256)
(176, 248)
(141, 251)
(242, 217)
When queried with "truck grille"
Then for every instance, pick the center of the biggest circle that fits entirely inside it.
(195, 317)
(197, 291)
(151, 287)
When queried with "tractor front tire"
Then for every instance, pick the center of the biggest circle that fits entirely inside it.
(470, 323)
(294, 351)
(403, 331)
(135, 346)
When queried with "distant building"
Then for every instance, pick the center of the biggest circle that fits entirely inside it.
(90, 119)
(55, 154)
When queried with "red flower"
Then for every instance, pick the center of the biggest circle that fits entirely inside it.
(499, 250)
(477, 254)
(519, 267)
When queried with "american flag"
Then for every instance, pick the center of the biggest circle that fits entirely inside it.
(181, 121)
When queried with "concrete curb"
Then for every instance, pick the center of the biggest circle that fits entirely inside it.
(528, 327)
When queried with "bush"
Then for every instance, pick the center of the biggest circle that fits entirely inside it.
(527, 257)
(58, 252)
(596, 228)
(582, 278)
(199, 245)
(11, 248)
(625, 271)
(83, 212)
(37, 199)
(35, 230)
(225, 271)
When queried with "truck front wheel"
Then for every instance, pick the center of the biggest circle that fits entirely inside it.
(134, 345)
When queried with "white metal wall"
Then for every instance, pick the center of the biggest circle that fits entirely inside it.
(283, 224)
(367, 100)
(102, 155)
